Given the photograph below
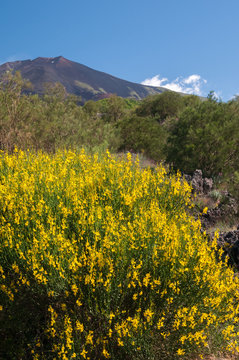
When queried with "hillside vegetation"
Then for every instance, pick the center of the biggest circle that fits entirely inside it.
(100, 260)
(183, 131)
(100, 257)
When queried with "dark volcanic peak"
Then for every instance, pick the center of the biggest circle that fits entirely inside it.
(78, 79)
(51, 60)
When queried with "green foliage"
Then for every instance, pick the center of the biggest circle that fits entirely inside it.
(216, 195)
(127, 103)
(187, 131)
(114, 108)
(143, 135)
(52, 121)
(14, 111)
(206, 137)
(161, 106)
(92, 107)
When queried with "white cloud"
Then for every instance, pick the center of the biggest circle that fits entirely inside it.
(234, 97)
(190, 85)
(217, 94)
(154, 81)
(192, 79)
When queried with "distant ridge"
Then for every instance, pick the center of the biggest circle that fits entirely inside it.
(78, 79)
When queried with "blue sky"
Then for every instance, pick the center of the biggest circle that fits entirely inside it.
(189, 45)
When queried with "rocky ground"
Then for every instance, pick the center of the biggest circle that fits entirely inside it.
(222, 214)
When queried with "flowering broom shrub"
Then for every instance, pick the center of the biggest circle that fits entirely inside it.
(99, 259)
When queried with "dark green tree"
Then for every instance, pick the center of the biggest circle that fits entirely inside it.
(144, 135)
(161, 106)
(205, 137)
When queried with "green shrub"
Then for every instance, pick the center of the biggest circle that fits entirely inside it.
(143, 135)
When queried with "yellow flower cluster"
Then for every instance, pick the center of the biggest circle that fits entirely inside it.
(109, 254)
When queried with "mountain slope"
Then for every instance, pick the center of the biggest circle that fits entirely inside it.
(78, 79)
